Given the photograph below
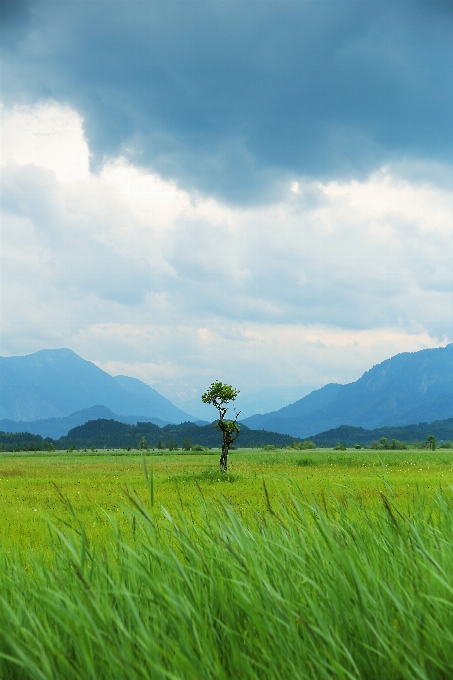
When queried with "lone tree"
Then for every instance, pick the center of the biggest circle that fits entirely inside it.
(432, 442)
(219, 395)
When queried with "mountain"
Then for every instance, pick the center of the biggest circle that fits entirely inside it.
(59, 427)
(409, 387)
(57, 383)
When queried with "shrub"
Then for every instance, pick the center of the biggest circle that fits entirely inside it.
(305, 461)
(304, 445)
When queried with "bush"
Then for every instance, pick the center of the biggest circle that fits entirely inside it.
(305, 461)
(302, 446)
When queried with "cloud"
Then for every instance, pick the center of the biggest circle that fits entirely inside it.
(151, 280)
(234, 99)
(49, 135)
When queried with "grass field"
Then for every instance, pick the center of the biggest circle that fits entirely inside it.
(297, 565)
(95, 484)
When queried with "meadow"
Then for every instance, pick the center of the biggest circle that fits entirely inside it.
(96, 483)
(304, 564)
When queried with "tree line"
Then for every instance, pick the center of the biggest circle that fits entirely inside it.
(111, 434)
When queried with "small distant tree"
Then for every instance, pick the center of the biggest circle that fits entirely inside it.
(219, 395)
(432, 442)
(160, 444)
(187, 443)
(50, 447)
(143, 444)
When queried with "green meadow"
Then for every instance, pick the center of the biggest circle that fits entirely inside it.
(302, 564)
(97, 484)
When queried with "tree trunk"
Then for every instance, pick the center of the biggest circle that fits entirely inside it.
(224, 458)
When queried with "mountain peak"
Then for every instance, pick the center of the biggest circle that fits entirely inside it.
(54, 383)
(407, 388)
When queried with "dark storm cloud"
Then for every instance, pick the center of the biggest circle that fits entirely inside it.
(227, 97)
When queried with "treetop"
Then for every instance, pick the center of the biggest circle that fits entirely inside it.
(219, 394)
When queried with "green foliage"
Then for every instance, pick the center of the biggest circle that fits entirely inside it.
(172, 445)
(416, 434)
(303, 462)
(230, 429)
(186, 446)
(361, 595)
(143, 444)
(432, 441)
(385, 445)
(160, 444)
(357, 446)
(219, 394)
(303, 445)
(51, 447)
(111, 434)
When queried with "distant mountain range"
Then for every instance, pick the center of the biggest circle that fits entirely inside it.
(52, 391)
(57, 383)
(59, 427)
(408, 388)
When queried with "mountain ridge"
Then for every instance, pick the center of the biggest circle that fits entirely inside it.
(57, 383)
(411, 386)
(59, 427)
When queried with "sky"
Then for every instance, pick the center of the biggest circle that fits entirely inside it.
(251, 191)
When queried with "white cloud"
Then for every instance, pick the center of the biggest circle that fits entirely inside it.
(48, 135)
(140, 276)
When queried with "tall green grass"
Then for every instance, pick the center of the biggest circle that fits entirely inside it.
(296, 592)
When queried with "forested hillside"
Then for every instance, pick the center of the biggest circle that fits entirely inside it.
(103, 433)
(349, 435)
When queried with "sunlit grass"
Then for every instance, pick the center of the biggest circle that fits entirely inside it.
(96, 484)
(352, 586)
